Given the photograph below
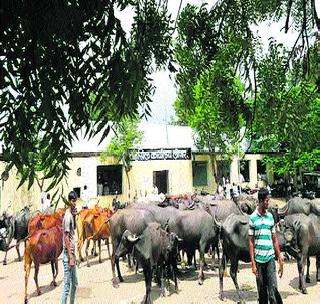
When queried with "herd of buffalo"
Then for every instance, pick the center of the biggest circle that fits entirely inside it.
(157, 236)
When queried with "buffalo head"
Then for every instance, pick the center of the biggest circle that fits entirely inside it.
(128, 240)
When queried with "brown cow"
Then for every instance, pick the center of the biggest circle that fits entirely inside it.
(96, 228)
(81, 216)
(42, 247)
(61, 211)
(44, 221)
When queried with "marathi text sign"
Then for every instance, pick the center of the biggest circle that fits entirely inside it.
(161, 154)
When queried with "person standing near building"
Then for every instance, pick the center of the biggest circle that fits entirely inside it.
(235, 193)
(43, 196)
(263, 244)
(228, 190)
(47, 202)
(220, 191)
(85, 197)
(69, 258)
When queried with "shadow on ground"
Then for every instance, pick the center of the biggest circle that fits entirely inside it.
(44, 289)
(294, 283)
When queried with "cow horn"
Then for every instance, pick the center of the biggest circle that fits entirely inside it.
(132, 238)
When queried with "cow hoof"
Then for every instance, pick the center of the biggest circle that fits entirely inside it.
(121, 279)
(308, 280)
(222, 297)
(200, 282)
(115, 282)
(95, 254)
(304, 291)
(53, 283)
(4, 263)
(25, 301)
(100, 261)
(39, 292)
(88, 265)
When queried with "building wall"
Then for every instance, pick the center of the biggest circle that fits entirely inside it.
(180, 180)
(141, 176)
(253, 182)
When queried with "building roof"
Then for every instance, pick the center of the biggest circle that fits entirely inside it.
(154, 136)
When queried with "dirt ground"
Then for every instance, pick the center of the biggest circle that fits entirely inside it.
(95, 285)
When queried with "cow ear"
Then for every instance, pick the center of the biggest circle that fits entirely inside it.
(133, 239)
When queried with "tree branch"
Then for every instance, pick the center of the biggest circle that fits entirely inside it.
(288, 15)
(315, 14)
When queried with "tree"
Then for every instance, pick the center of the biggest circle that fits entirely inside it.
(224, 84)
(287, 114)
(54, 55)
(216, 114)
(127, 136)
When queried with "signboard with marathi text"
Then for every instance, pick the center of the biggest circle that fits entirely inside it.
(160, 154)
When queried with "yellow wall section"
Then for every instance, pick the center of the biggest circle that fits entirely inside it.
(180, 180)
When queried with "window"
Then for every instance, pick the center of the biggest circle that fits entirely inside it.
(79, 172)
(199, 173)
(76, 190)
(261, 170)
(109, 180)
(244, 171)
(160, 179)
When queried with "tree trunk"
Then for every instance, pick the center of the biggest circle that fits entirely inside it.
(128, 179)
(213, 159)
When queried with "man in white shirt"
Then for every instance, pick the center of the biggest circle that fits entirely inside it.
(228, 190)
(235, 193)
(85, 197)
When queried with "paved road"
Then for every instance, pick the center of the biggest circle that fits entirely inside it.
(95, 285)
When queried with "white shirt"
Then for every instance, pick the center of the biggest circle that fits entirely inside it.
(228, 188)
(235, 191)
(85, 198)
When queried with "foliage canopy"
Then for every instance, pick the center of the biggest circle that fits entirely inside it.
(227, 87)
(54, 55)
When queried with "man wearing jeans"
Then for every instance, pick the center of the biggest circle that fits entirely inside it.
(263, 244)
(70, 274)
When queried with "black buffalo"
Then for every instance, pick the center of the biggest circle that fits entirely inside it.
(198, 230)
(5, 227)
(154, 248)
(305, 242)
(235, 243)
(18, 230)
(300, 205)
(196, 227)
(134, 220)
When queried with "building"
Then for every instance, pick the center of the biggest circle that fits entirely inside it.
(167, 158)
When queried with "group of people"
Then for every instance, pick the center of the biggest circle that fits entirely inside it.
(229, 191)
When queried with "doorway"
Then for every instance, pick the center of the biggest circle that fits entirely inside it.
(160, 179)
